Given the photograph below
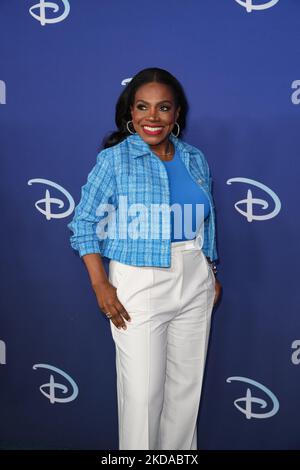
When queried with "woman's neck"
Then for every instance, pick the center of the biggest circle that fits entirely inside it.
(165, 152)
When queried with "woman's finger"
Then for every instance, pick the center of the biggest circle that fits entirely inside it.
(122, 311)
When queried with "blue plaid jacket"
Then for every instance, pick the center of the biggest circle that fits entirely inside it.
(131, 169)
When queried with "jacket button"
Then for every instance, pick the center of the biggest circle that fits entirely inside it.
(200, 181)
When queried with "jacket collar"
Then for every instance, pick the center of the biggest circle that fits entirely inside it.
(138, 147)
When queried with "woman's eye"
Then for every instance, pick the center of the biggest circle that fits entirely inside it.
(143, 107)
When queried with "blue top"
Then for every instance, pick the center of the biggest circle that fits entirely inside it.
(191, 203)
(129, 176)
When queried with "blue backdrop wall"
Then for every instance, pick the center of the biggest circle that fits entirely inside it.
(61, 73)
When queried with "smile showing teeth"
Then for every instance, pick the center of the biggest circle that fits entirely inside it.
(152, 129)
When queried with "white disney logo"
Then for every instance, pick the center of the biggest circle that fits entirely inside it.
(51, 200)
(250, 400)
(250, 201)
(2, 352)
(248, 4)
(2, 92)
(126, 81)
(52, 386)
(295, 97)
(296, 354)
(42, 5)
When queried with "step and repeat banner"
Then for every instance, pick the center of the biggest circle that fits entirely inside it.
(63, 65)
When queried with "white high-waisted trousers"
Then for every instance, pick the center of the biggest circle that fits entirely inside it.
(160, 357)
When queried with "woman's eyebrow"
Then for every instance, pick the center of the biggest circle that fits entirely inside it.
(164, 101)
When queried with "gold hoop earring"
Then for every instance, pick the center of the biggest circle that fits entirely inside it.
(178, 130)
(129, 130)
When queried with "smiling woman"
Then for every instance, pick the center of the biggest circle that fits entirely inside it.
(151, 105)
(161, 289)
(154, 114)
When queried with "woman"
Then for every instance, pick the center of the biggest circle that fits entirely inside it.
(161, 287)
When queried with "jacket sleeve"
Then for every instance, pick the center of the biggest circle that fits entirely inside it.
(98, 189)
(209, 233)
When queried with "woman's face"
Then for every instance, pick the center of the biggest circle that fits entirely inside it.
(154, 112)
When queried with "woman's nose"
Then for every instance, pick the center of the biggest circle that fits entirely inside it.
(152, 114)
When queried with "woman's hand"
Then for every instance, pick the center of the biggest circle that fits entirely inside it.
(218, 290)
(109, 303)
(218, 286)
